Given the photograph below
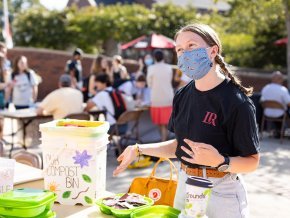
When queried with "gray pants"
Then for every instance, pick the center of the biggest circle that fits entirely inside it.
(228, 198)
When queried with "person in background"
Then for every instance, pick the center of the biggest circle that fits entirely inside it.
(63, 101)
(118, 72)
(277, 92)
(99, 66)
(180, 80)
(102, 99)
(3, 50)
(74, 68)
(4, 72)
(148, 61)
(127, 87)
(23, 84)
(143, 63)
(159, 80)
(142, 92)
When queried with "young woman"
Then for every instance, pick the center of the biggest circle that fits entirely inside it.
(142, 92)
(214, 123)
(159, 80)
(119, 72)
(23, 84)
(99, 66)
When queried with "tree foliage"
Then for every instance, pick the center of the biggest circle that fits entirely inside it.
(90, 27)
(248, 31)
(264, 21)
(42, 28)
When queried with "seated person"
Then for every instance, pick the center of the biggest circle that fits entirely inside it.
(63, 101)
(102, 100)
(277, 92)
(127, 87)
(142, 92)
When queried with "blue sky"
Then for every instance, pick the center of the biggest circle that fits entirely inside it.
(53, 4)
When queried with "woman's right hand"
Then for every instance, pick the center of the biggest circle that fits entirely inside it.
(126, 158)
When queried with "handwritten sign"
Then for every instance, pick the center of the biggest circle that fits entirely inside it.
(6, 174)
(75, 170)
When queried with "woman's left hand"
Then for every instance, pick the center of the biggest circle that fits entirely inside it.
(202, 154)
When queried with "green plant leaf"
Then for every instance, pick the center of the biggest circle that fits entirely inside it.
(88, 200)
(66, 194)
(87, 178)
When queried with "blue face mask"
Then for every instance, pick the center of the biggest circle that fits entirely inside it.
(195, 63)
(149, 61)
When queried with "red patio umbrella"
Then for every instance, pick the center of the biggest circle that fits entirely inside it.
(282, 41)
(150, 42)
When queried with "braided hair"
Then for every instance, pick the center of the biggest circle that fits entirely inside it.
(211, 38)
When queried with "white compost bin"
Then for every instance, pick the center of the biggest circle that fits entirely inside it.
(74, 160)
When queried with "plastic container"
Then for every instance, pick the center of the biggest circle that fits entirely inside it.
(157, 211)
(121, 213)
(45, 214)
(198, 191)
(26, 202)
(75, 159)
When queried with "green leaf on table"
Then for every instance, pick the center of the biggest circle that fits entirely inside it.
(87, 178)
(66, 194)
(88, 200)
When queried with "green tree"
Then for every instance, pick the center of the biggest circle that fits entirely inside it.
(42, 28)
(168, 18)
(17, 6)
(97, 27)
(94, 29)
(247, 32)
(286, 4)
(265, 20)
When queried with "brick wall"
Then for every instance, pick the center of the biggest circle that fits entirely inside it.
(49, 64)
(255, 78)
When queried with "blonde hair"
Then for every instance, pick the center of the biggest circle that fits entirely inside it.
(211, 38)
(118, 58)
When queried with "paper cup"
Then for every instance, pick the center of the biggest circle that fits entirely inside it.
(198, 192)
(6, 174)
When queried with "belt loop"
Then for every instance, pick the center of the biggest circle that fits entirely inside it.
(185, 169)
(204, 172)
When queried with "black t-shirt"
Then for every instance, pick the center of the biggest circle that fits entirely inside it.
(223, 117)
